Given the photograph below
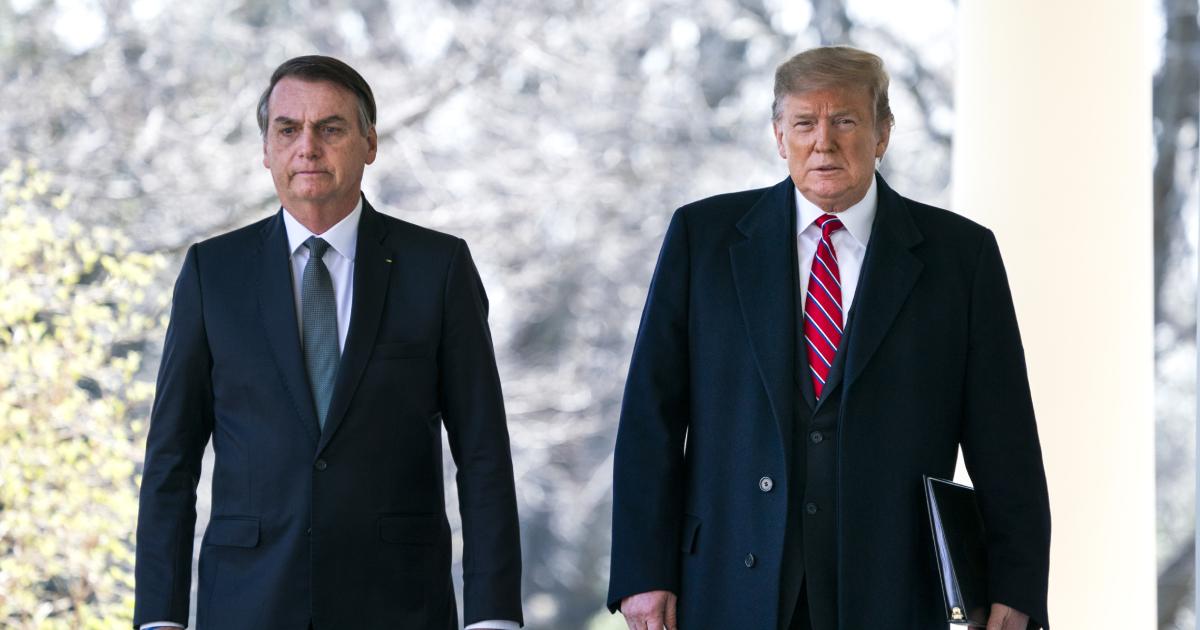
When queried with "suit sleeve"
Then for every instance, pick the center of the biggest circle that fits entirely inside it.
(1001, 448)
(180, 424)
(648, 462)
(473, 412)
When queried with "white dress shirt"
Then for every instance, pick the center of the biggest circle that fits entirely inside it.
(339, 259)
(850, 243)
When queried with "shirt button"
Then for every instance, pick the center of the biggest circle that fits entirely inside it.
(749, 561)
(766, 484)
(817, 437)
(321, 465)
(811, 508)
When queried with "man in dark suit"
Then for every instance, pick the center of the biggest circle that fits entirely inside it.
(807, 352)
(323, 349)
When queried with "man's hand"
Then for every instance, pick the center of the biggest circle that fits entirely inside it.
(1005, 618)
(654, 610)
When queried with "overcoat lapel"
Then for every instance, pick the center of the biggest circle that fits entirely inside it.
(277, 306)
(890, 270)
(765, 285)
(372, 268)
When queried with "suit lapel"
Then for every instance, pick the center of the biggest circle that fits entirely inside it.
(372, 267)
(765, 283)
(890, 270)
(277, 306)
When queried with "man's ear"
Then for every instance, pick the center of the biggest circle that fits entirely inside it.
(372, 144)
(881, 144)
(779, 145)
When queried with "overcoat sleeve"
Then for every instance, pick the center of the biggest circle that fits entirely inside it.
(1000, 445)
(649, 458)
(473, 412)
(181, 422)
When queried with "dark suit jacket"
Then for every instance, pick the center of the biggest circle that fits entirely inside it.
(345, 528)
(932, 360)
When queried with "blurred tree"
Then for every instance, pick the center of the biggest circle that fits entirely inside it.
(1176, 129)
(71, 409)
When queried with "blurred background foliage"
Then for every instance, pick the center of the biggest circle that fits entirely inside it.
(74, 313)
(556, 136)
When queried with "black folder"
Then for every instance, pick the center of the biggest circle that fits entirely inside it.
(959, 543)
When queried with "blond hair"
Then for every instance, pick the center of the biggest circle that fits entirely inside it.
(834, 66)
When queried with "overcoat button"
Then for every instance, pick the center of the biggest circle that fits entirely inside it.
(811, 508)
(817, 437)
(766, 484)
(749, 560)
(321, 465)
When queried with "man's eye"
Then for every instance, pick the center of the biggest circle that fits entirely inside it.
(287, 131)
(845, 122)
(333, 130)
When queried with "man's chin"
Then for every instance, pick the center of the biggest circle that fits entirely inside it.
(825, 194)
(310, 195)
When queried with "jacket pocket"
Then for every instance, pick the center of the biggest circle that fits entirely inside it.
(410, 529)
(687, 537)
(401, 350)
(232, 531)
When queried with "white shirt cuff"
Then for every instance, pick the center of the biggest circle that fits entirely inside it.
(160, 624)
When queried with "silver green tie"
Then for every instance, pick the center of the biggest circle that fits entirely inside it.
(320, 327)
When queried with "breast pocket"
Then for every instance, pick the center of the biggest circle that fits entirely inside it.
(402, 350)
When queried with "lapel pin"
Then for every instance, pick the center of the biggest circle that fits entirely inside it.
(388, 259)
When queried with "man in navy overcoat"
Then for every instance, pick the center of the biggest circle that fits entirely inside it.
(806, 354)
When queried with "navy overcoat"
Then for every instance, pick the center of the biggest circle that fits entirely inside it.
(933, 361)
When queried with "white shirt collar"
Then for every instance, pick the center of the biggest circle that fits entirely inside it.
(858, 218)
(342, 237)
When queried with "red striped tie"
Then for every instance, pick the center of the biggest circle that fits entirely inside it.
(823, 305)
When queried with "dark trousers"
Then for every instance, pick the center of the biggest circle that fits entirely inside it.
(801, 619)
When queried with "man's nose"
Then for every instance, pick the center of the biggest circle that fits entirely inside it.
(823, 137)
(308, 144)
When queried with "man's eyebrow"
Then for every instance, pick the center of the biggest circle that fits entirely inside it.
(331, 119)
(284, 120)
(832, 114)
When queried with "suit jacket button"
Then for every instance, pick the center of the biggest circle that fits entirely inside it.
(321, 465)
(811, 508)
(766, 484)
(817, 437)
(749, 560)
(308, 532)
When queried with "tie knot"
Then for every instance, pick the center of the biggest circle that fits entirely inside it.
(316, 247)
(828, 224)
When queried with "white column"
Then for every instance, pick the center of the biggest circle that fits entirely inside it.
(1053, 152)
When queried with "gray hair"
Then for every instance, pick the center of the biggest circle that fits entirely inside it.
(834, 66)
(321, 68)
